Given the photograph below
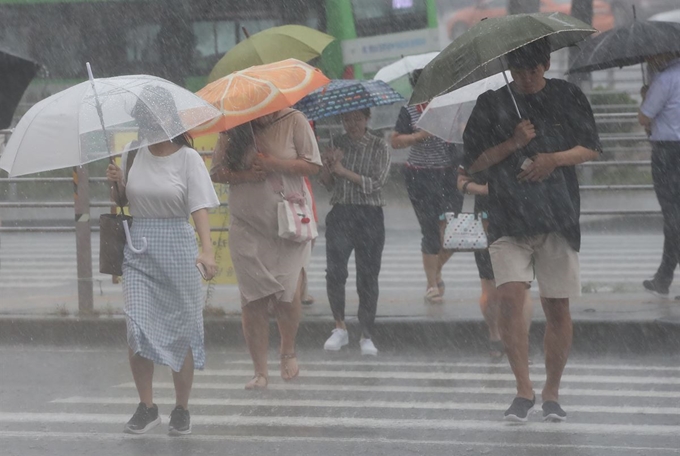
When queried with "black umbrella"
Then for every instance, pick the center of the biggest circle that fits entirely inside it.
(627, 45)
(15, 74)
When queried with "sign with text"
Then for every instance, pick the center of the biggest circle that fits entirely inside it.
(393, 45)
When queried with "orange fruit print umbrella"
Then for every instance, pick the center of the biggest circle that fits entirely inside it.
(257, 91)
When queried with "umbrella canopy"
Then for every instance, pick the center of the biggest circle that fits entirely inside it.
(272, 45)
(15, 75)
(668, 16)
(627, 45)
(257, 91)
(346, 95)
(446, 115)
(475, 54)
(404, 66)
(65, 129)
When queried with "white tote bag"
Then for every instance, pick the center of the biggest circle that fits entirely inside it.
(295, 215)
(464, 232)
(296, 221)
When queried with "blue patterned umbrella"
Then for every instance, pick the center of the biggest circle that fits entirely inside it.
(346, 95)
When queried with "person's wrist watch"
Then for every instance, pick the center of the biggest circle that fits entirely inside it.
(465, 186)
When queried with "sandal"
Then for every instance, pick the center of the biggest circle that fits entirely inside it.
(286, 373)
(432, 295)
(496, 350)
(256, 384)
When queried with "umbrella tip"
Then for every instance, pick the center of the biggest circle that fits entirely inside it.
(245, 32)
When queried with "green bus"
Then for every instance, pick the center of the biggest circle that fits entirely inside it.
(371, 33)
(183, 39)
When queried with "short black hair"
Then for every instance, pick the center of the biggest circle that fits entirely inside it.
(530, 55)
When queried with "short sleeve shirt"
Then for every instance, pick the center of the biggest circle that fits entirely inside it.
(662, 104)
(175, 185)
(563, 120)
(433, 152)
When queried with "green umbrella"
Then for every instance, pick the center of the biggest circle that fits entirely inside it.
(272, 45)
(475, 55)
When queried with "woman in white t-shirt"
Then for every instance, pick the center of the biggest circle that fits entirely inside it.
(167, 183)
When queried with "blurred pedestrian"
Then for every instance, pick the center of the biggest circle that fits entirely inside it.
(254, 160)
(430, 175)
(355, 171)
(534, 208)
(166, 183)
(489, 303)
(660, 115)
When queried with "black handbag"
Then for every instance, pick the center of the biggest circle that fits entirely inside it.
(111, 230)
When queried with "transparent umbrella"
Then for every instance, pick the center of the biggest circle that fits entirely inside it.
(67, 130)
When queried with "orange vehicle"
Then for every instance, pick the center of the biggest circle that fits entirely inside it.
(461, 20)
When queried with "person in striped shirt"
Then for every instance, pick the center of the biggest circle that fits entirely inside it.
(431, 180)
(355, 171)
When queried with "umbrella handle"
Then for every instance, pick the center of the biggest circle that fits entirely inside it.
(128, 239)
(512, 95)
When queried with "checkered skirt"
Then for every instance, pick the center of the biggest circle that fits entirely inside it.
(163, 293)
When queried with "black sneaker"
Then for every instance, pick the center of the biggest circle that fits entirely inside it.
(180, 422)
(519, 410)
(144, 419)
(654, 288)
(553, 412)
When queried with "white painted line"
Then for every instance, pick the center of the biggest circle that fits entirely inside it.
(440, 364)
(366, 404)
(397, 375)
(118, 437)
(237, 421)
(570, 392)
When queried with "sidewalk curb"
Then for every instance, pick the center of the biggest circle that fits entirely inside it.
(391, 334)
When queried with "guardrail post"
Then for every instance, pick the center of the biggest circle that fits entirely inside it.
(81, 186)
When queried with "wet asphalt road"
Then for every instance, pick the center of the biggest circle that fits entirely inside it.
(62, 401)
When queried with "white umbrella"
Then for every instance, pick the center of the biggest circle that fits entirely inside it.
(446, 115)
(668, 16)
(66, 129)
(404, 66)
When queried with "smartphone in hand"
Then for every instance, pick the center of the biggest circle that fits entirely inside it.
(202, 270)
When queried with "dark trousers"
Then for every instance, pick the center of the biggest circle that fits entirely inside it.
(666, 176)
(360, 229)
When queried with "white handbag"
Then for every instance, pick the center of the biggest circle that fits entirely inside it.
(295, 216)
(464, 232)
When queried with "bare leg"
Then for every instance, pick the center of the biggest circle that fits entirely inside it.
(142, 372)
(183, 381)
(490, 307)
(444, 255)
(557, 343)
(528, 309)
(515, 335)
(431, 266)
(255, 321)
(288, 318)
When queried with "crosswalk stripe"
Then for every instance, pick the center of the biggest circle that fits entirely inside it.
(440, 364)
(399, 375)
(117, 437)
(239, 421)
(569, 392)
(369, 404)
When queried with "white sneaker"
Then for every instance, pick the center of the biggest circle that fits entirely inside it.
(339, 338)
(367, 347)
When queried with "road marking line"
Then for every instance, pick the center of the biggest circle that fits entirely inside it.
(466, 364)
(111, 437)
(363, 423)
(367, 404)
(571, 392)
(448, 376)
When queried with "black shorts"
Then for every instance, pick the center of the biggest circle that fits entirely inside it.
(483, 260)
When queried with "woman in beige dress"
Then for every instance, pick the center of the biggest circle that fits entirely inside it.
(268, 268)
